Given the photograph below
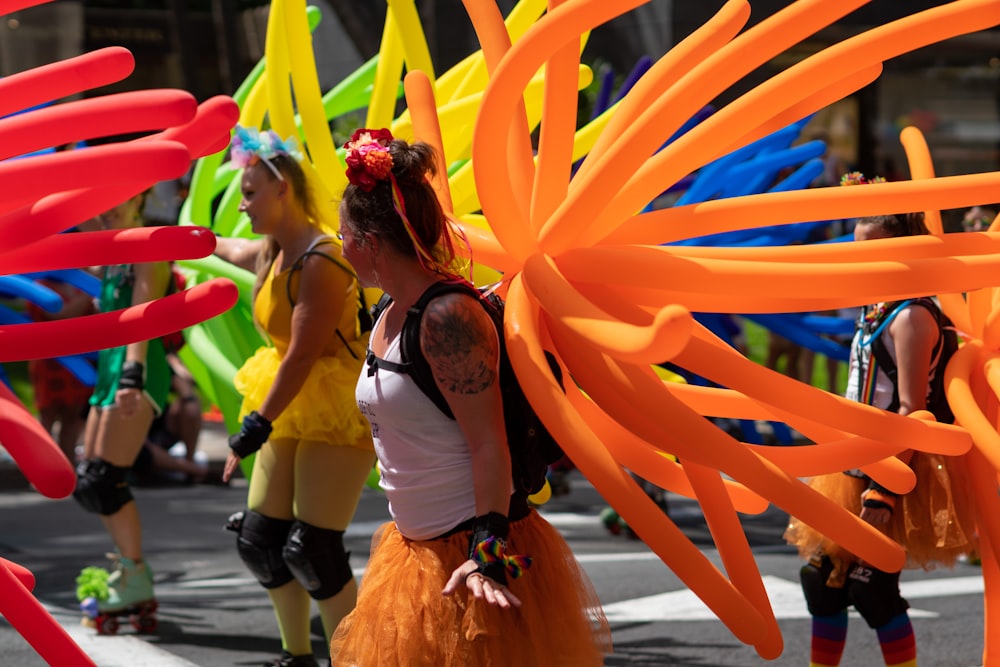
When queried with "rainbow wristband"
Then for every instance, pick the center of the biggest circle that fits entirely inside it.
(492, 552)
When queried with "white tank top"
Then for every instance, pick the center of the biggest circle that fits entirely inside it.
(426, 466)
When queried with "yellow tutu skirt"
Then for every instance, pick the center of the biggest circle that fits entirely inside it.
(324, 410)
(934, 523)
(403, 620)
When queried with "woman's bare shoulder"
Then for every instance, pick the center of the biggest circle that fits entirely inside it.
(460, 343)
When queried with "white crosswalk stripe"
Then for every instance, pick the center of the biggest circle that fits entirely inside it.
(785, 596)
(123, 650)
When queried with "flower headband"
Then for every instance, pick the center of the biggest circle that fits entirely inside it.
(250, 146)
(857, 178)
(368, 158)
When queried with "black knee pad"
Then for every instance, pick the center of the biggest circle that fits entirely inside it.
(101, 487)
(821, 599)
(259, 544)
(317, 558)
(875, 594)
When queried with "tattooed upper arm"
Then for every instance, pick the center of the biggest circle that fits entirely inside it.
(460, 343)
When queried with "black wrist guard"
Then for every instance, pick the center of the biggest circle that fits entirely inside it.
(133, 376)
(252, 436)
(879, 498)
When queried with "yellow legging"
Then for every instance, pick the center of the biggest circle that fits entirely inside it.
(320, 484)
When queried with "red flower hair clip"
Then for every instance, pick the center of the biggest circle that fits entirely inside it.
(368, 158)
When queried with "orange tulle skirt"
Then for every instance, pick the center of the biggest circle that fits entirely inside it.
(403, 620)
(934, 523)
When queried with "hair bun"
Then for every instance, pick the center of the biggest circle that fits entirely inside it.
(412, 161)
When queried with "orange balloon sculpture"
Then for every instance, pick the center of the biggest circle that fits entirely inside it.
(589, 279)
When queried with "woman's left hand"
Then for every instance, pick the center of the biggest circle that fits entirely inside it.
(481, 586)
(127, 401)
(232, 460)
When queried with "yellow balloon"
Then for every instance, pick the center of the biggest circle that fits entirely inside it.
(543, 496)
(411, 35)
(387, 74)
(328, 168)
(279, 95)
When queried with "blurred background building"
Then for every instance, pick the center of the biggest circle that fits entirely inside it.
(950, 90)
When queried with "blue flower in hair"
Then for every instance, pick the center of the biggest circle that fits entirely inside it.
(249, 146)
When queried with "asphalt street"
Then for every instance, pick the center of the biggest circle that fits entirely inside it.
(213, 614)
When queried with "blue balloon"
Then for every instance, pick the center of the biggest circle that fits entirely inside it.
(81, 368)
(791, 326)
(756, 174)
(801, 177)
(78, 278)
(715, 177)
(828, 324)
(25, 288)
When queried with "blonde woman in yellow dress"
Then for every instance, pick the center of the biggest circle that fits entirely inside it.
(313, 447)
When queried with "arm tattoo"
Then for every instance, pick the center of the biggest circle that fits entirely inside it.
(461, 351)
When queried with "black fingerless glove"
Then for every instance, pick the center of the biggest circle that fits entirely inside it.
(488, 548)
(133, 376)
(253, 434)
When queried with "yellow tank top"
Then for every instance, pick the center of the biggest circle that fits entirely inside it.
(273, 309)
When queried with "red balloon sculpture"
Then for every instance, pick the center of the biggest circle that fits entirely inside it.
(44, 195)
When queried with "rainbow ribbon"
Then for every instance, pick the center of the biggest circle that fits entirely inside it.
(492, 550)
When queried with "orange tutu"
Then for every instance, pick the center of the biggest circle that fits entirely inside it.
(934, 523)
(403, 620)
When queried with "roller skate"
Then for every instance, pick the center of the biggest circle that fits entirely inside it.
(616, 525)
(612, 521)
(127, 591)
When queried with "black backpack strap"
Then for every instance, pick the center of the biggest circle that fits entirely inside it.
(413, 362)
(297, 266)
(378, 362)
(884, 360)
(371, 360)
(379, 307)
(409, 342)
